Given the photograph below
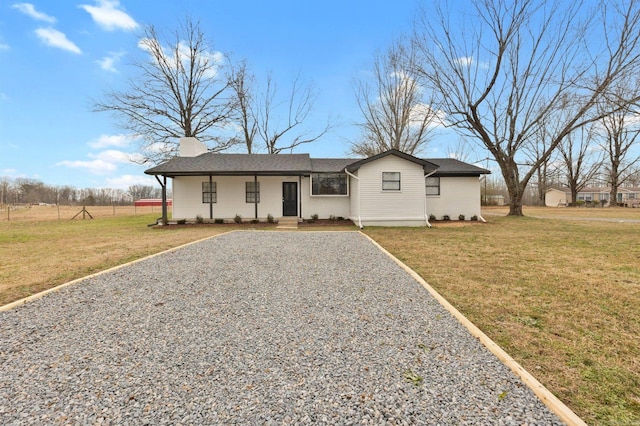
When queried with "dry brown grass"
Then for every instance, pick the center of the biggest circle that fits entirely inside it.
(38, 254)
(562, 297)
(40, 213)
(586, 213)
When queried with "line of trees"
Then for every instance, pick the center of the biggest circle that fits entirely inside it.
(33, 191)
(533, 83)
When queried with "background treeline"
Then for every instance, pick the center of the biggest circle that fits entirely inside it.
(33, 191)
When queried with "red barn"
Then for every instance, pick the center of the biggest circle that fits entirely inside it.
(154, 202)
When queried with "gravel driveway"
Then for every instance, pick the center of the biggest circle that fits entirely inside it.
(253, 328)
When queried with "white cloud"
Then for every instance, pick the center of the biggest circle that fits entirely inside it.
(105, 141)
(108, 15)
(108, 62)
(468, 61)
(30, 10)
(55, 38)
(112, 156)
(96, 167)
(8, 172)
(4, 46)
(125, 181)
(422, 111)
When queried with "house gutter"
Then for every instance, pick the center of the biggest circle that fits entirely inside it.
(482, 219)
(358, 199)
(426, 216)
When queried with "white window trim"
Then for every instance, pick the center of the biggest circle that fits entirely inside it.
(382, 189)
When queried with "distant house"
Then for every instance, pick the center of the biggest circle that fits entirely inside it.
(151, 202)
(388, 189)
(626, 196)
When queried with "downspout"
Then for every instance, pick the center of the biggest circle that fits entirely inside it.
(485, 199)
(358, 200)
(211, 199)
(255, 194)
(426, 216)
(299, 196)
(163, 184)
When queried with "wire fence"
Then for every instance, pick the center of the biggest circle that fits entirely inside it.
(39, 212)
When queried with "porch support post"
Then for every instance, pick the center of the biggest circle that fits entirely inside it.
(210, 198)
(255, 198)
(300, 196)
(163, 184)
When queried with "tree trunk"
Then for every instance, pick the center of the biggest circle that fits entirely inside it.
(515, 209)
(613, 196)
(574, 196)
(516, 192)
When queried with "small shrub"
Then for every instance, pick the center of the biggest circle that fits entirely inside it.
(254, 221)
(270, 218)
(432, 217)
(237, 219)
(580, 203)
(314, 216)
(461, 217)
(199, 219)
(218, 221)
(332, 217)
(474, 218)
(182, 222)
(340, 218)
(446, 217)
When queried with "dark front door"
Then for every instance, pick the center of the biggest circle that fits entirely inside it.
(289, 199)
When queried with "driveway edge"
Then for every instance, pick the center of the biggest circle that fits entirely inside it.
(548, 398)
(36, 296)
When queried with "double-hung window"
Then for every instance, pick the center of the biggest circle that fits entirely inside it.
(209, 192)
(432, 185)
(391, 181)
(252, 192)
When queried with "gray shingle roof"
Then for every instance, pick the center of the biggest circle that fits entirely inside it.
(234, 164)
(451, 167)
(330, 165)
(294, 164)
(428, 166)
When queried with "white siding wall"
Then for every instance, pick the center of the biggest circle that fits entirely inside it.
(231, 197)
(323, 205)
(404, 207)
(458, 195)
(187, 198)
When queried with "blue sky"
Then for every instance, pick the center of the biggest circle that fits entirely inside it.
(58, 56)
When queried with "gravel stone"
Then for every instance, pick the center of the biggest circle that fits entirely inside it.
(254, 328)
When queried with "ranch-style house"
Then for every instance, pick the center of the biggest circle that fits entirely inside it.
(389, 189)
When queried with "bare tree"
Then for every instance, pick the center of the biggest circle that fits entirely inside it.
(394, 112)
(178, 91)
(243, 85)
(621, 131)
(505, 68)
(581, 161)
(269, 121)
(137, 192)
